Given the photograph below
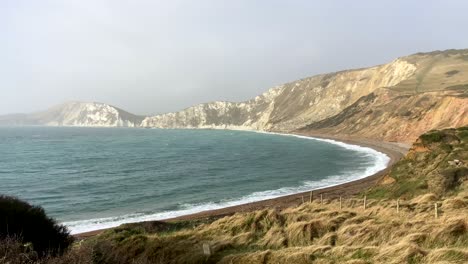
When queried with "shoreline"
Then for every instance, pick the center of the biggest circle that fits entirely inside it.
(394, 150)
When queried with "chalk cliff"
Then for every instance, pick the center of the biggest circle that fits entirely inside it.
(76, 114)
(292, 105)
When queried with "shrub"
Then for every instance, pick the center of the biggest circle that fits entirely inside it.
(431, 137)
(31, 225)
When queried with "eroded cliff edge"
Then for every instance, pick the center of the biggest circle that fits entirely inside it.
(397, 101)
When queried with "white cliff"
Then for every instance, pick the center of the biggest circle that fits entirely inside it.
(291, 105)
(77, 114)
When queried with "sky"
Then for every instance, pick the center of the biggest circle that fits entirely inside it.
(151, 57)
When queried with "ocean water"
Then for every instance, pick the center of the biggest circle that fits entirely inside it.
(93, 178)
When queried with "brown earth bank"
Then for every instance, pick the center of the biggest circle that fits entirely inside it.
(394, 150)
(388, 115)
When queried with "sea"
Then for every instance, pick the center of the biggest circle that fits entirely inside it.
(94, 178)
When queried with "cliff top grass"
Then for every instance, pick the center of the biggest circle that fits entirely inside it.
(436, 71)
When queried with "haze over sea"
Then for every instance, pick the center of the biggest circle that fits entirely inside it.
(93, 178)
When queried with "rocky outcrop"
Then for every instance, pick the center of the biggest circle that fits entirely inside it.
(76, 114)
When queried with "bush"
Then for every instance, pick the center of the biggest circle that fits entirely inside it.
(31, 225)
(431, 137)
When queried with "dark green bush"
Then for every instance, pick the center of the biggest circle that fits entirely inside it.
(30, 224)
(431, 137)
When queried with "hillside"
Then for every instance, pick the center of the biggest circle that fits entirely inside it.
(436, 164)
(76, 114)
(394, 102)
(435, 96)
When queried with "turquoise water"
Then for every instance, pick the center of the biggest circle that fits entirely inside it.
(92, 178)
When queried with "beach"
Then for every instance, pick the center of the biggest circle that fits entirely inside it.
(395, 151)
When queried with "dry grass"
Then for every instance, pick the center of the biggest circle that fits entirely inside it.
(311, 233)
(12, 251)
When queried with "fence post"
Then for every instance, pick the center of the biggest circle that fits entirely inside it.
(206, 249)
(436, 211)
(365, 201)
(310, 198)
(321, 199)
(398, 205)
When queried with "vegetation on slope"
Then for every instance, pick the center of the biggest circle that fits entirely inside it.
(309, 233)
(435, 164)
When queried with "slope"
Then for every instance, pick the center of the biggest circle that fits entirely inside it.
(395, 102)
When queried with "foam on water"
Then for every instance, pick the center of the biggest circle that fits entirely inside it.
(380, 161)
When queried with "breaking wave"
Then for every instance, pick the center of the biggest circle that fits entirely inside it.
(380, 162)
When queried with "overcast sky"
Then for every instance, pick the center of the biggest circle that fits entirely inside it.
(156, 56)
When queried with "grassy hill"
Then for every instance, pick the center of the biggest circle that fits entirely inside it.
(433, 97)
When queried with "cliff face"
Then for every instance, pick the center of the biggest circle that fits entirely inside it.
(76, 114)
(395, 102)
(390, 116)
(434, 97)
(289, 106)
(253, 114)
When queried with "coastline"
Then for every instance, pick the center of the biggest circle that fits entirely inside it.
(395, 151)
